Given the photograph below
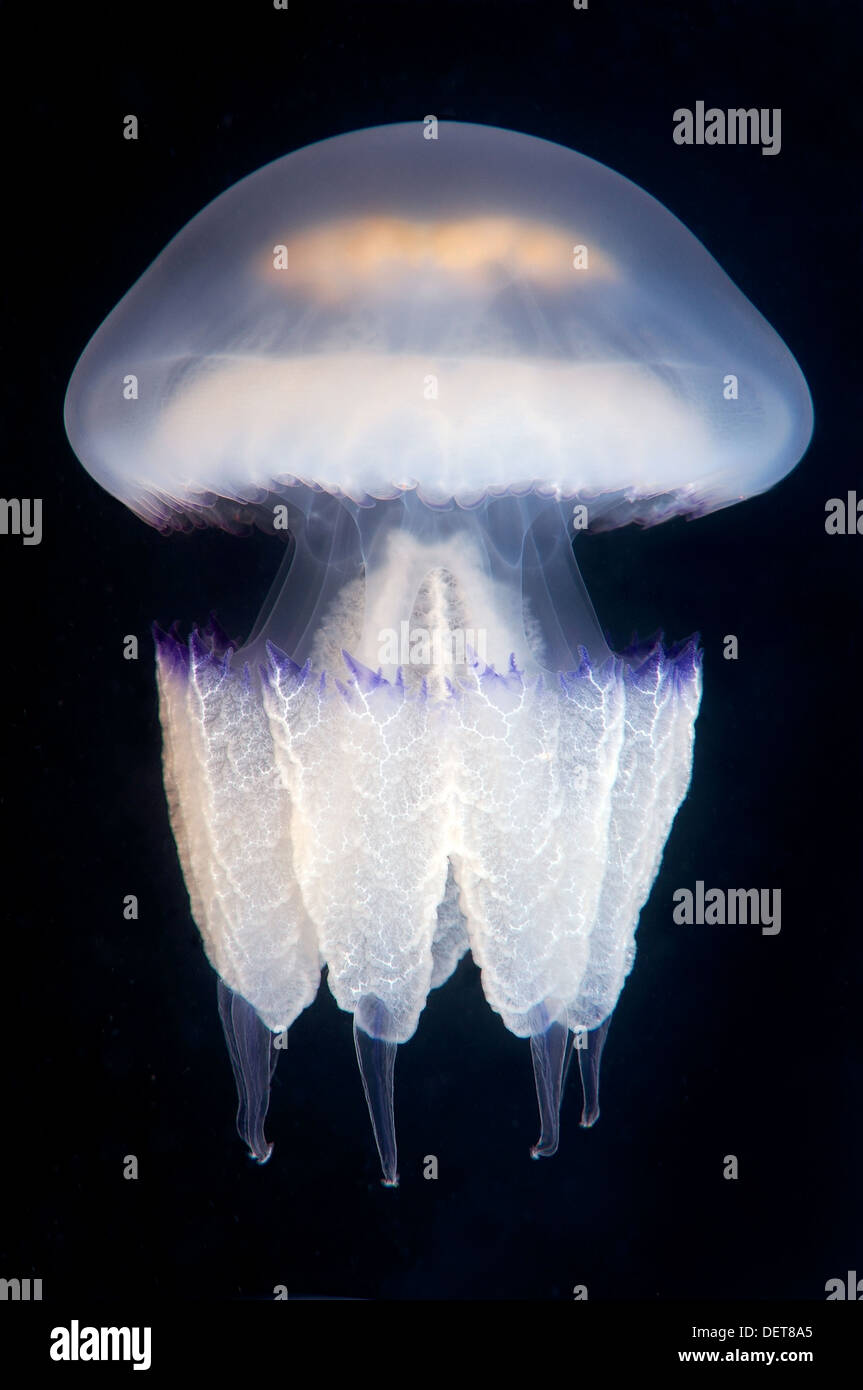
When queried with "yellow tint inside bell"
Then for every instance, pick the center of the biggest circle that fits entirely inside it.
(336, 259)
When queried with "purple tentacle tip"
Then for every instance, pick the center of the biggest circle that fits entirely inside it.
(282, 666)
(687, 657)
(363, 677)
(172, 653)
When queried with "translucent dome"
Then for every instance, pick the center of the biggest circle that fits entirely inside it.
(474, 315)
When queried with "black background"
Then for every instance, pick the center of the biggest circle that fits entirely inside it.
(724, 1041)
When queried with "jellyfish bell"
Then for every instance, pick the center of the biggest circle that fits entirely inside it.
(420, 355)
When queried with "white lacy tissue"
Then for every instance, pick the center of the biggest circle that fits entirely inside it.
(383, 830)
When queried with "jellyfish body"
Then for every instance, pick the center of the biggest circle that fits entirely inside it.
(424, 354)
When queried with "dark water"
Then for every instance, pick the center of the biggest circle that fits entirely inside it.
(724, 1041)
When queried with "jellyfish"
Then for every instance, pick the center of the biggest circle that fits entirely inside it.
(418, 360)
